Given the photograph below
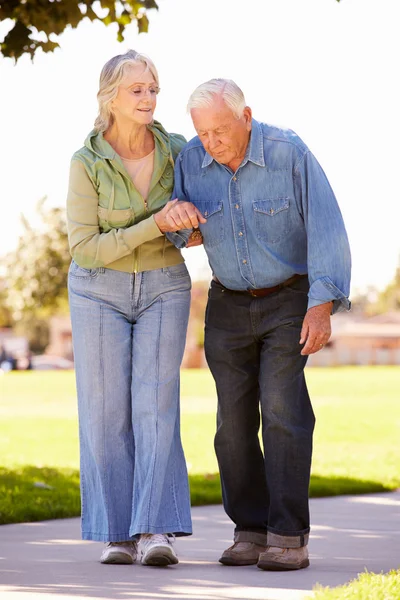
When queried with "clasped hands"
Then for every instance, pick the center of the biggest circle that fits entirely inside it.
(180, 215)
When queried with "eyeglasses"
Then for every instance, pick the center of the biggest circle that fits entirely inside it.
(140, 91)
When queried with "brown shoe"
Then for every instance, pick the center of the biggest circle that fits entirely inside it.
(242, 553)
(283, 559)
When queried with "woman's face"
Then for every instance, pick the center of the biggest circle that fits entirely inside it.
(137, 96)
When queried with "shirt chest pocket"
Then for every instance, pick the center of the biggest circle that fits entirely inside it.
(213, 231)
(272, 219)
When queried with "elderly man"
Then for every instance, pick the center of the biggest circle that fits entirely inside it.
(278, 249)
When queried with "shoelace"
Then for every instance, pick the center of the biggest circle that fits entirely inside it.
(130, 543)
(156, 538)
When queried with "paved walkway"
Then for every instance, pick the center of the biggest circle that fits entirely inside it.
(349, 534)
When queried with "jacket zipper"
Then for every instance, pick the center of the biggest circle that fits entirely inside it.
(146, 210)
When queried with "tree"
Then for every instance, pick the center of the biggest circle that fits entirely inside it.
(35, 285)
(37, 270)
(51, 17)
(5, 312)
(389, 299)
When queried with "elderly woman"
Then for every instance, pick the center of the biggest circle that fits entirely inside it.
(129, 293)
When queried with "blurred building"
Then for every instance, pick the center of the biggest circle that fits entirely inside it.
(356, 340)
(14, 351)
(361, 341)
(60, 337)
(11, 343)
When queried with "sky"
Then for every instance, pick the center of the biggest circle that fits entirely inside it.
(327, 70)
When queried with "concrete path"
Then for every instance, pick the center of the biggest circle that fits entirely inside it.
(349, 534)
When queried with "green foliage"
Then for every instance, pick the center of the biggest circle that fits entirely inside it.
(372, 302)
(37, 271)
(51, 17)
(36, 331)
(367, 586)
(389, 299)
(31, 493)
(5, 311)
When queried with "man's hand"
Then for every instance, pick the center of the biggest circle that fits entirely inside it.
(316, 329)
(184, 215)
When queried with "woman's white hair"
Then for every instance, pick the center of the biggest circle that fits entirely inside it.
(204, 95)
(110, 77)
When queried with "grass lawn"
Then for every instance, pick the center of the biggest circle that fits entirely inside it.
(367, 586)
(355, 443)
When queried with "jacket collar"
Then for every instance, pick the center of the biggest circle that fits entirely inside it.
(254, 150)
(97, 144)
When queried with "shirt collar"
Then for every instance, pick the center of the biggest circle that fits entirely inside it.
(254, 150)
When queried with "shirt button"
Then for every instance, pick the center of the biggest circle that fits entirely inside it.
(244, 261)
(206, 213)
(236, 205)
(240, 233)
(235, 178)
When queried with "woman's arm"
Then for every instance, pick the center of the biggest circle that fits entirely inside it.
(88, 246)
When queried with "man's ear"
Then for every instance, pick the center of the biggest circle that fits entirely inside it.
(248, 116)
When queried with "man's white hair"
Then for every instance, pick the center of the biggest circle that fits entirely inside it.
(204, 95)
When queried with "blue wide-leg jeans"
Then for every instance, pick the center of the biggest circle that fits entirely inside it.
(129, 335)
(253, 351)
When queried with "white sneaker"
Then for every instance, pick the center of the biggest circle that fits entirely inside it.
(157, 550)
(119, 553)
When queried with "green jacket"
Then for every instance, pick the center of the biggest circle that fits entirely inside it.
(109, 224)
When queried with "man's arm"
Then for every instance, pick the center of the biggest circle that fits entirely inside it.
(329, 260)
(184, 214)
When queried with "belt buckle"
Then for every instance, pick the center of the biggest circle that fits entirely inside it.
(252, 293)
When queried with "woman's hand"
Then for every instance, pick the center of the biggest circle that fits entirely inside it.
(163, 224)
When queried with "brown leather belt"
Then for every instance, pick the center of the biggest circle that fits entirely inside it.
(262, 292)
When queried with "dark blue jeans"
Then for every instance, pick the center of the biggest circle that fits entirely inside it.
(253, 351)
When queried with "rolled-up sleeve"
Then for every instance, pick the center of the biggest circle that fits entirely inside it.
(88, 246)
(328, 250)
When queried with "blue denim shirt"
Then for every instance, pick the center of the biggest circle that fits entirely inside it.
(275, 216)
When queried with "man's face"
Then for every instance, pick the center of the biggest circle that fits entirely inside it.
(223, 135)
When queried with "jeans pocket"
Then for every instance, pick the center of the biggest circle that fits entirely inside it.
(177, 271)
(81, 273)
